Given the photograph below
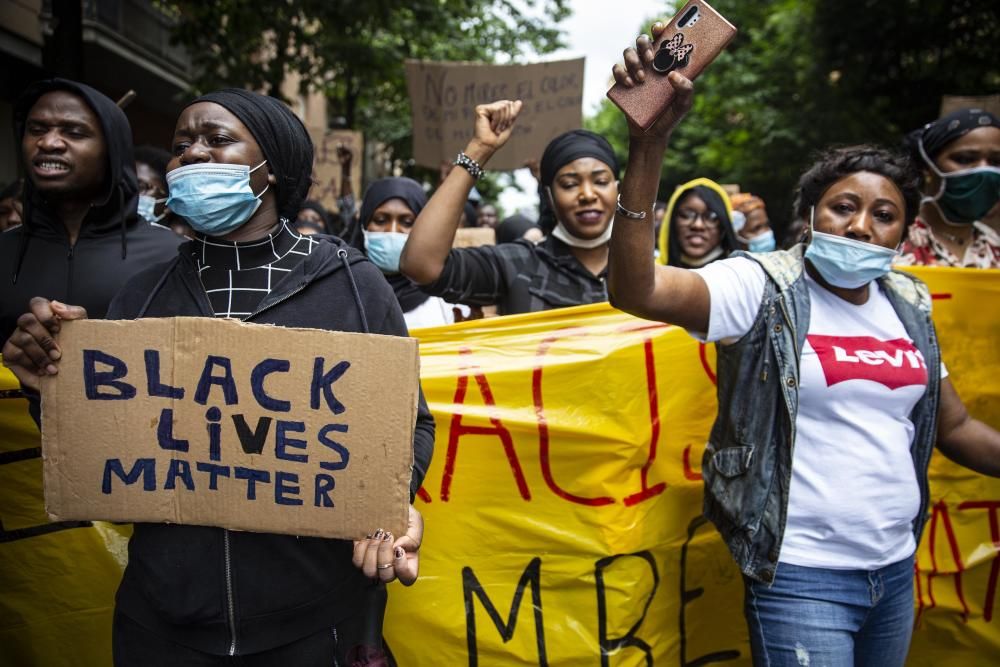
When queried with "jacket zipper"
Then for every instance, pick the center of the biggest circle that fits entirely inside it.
(286, 297)
(229, 593)
(69, 273)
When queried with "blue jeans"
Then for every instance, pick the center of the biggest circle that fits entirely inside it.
(814, 617)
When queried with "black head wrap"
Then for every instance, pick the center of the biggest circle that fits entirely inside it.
(385, 189)
(513, 228)
(938, 134)
(562, 150)
(282, 138)
(408, 294)
(714, 203)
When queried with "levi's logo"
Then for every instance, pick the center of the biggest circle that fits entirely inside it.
(894, 363)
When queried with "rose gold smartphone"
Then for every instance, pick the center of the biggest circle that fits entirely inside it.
(692, 39)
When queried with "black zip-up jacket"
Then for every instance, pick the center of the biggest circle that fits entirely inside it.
(224, 591)
(113, 245)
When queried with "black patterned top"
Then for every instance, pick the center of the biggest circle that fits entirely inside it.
(238, 275)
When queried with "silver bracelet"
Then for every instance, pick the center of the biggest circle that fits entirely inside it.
(631, 215)
(474, 168)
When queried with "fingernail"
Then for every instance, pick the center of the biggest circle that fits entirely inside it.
(368, 536)
(399, 552)
(387, 537)
(55, 355)
(641, 75)
(51, 370)
(378, 534)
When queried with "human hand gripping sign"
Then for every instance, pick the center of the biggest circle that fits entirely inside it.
(633, 73)
(383, 558)
(31, 352)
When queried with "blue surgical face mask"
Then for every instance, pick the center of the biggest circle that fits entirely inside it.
(384, 249)
(214, 198)
(763, 242)
(965, 196)
(147, 208)
(844, 262)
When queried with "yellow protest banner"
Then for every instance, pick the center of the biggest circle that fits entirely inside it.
(562, 508)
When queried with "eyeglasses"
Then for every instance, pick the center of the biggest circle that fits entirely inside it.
(687, 216)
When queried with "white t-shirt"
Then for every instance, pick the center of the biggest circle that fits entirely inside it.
(854, 493)
(434, 312)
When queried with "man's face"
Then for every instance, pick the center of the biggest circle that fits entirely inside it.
(63, 147)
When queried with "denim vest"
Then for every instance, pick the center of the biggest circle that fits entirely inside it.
(747, 466)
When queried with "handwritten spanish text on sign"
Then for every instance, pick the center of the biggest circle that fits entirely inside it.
(444, 97)
(220, 423)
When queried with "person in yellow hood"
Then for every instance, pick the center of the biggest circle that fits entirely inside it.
(700, 228)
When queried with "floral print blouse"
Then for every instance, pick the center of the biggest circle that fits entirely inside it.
(922, 249)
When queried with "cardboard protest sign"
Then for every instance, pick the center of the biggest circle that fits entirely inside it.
(327, 171)
(473, 237)
(221, 423)
(444, 96)
(989, 103)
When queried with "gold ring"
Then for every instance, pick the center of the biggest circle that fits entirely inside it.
(384, 567)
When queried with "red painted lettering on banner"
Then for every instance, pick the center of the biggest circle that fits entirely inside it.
(689, 472)
(458, 429)
(703, 355)
(940, 512)
(544, 446)
(991, 586)
(646, 492)
(893, 363)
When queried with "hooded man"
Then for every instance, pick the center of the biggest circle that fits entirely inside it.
(81, 239)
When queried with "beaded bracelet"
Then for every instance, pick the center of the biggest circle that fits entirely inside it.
(474, 168)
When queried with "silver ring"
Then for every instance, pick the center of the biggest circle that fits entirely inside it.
(384, 567)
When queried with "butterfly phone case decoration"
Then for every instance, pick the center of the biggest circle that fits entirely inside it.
(692, 39)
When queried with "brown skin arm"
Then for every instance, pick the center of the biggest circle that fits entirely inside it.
(635, 283)
(966, 441)
(433, 232)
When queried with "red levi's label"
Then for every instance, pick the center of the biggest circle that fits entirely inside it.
(894, 363)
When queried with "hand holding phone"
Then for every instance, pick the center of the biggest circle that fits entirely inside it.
(686, 45)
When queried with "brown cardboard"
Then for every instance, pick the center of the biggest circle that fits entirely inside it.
(444, 96)
(473, 237)
(372, 405)
(326, 174)
(989, 103)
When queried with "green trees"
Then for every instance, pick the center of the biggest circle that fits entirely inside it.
(804, 74)
(353, 50)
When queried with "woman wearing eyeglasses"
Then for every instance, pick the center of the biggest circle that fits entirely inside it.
(700, 229)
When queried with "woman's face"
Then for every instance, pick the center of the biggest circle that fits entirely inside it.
(863, 206)
(584, 194)
(310, 216)
(698, 229)
(756, 224)
(392, 215)
(208, 132)
(978, 148)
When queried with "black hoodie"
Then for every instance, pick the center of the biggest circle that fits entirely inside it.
(225, 591)
(36, 259)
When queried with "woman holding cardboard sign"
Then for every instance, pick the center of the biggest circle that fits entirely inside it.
(832, 396)
(197, 595)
